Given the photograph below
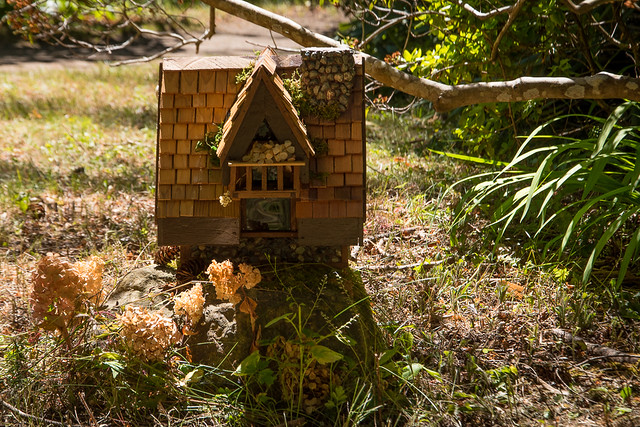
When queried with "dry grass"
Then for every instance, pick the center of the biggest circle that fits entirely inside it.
(481, 324)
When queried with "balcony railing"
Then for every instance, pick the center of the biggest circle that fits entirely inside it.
(252, 180)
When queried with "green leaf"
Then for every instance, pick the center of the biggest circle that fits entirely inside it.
(434, 374)
(266, 377)
(324, 354)
(249, 365)
(110, 355)
(609, 232)
(626, 393)
(193, 376)
(115, 366)
(410, 371)
(629, 253)
(286, 316)
(387, 355)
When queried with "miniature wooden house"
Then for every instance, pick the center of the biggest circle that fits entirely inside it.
(279, 171)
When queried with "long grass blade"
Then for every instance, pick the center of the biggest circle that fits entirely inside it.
(472, 159)
(584, 210)
(609, 232)
(631, 252)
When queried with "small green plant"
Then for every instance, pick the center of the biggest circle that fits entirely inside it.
(302, 367)
(210, 143)
(244, 75)
(320, 146)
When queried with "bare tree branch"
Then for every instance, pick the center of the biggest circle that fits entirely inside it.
(483, 16)
(395, 21)
(586, 6)
(445, 97)
(513, 13)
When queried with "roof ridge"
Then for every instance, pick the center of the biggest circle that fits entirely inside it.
(266, 59)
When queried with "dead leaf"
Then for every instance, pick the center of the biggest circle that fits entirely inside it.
(187, 331)
(248, 306)
(514, 289)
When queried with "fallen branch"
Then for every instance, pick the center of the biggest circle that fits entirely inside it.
(445, 97)
(599, 351)
(33, 417)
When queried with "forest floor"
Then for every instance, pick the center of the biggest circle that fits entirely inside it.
(497, 337)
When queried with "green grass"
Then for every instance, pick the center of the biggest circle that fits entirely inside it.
(80, 143)
(470, 331)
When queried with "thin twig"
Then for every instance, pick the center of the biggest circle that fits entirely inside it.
(395, 21)
(513, 13)
(600, 351)
(483, 15)
(33, 417)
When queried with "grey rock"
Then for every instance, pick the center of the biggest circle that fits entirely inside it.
(142, 287)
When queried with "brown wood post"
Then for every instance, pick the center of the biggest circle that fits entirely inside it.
(185, 253)
(345, 252)
(212, 22)
(280, 178)
(232, 180)
(263, 171)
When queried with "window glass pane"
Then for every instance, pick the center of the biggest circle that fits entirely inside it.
(267, 215)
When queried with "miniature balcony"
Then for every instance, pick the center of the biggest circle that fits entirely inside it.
(258, 180)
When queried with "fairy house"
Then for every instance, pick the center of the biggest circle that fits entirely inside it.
(273, 164)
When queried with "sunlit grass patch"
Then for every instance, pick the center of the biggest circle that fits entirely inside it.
(77, 158)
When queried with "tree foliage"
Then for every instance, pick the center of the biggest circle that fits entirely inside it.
(454, 43)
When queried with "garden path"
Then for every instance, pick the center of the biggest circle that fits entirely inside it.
(234, 36)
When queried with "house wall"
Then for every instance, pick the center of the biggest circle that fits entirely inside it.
(196, 95)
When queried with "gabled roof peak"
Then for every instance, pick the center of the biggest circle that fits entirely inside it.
(267, 59)
(264, 75)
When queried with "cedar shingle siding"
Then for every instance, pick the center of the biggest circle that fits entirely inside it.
(197, 95)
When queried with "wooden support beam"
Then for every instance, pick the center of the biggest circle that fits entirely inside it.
(232, 180)
(280, 178)
(263, 171)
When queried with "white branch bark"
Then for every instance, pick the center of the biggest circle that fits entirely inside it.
(445, 97)
(483, 15)
(586, 6)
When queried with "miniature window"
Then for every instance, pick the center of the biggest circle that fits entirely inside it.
(267, 215)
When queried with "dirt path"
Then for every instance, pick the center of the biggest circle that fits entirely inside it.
(234, 36)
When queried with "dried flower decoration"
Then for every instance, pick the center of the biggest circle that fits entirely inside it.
(230, 287)
(190, 303)
(62, 289)
(227, 283)
(225, 199)
(149, 334)
(249, 276)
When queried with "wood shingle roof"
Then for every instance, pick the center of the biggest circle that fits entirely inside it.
(264, 76)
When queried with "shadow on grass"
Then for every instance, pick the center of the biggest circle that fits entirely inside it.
(18, 176)
(55, 107)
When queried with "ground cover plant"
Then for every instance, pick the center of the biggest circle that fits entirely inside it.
(476, 335)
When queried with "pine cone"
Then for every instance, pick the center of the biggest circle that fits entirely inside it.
(36, 208)
(190, 270)
(165, 254)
